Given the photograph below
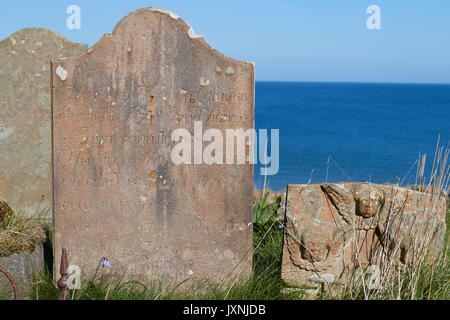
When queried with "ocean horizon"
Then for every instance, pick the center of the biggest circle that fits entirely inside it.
(351, 131)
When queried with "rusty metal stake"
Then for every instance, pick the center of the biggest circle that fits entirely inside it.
(13, 283)
(64, 292)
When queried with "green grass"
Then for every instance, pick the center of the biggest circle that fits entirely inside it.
(20, 234)
(265, 282)
(429, 282)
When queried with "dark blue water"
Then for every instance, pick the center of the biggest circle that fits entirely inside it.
(373, 132)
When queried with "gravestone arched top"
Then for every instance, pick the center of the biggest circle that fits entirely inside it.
(142, 23)
(36, 33)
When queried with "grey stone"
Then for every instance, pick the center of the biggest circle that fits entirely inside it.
(25, 268)
(117, 192)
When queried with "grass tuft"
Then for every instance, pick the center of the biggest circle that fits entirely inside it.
(20, 234)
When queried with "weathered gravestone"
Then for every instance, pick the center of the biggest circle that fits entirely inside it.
(335, 230)
(117, 192)
(25, 113)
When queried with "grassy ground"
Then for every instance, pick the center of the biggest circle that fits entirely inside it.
(426, 282)
(265, 282)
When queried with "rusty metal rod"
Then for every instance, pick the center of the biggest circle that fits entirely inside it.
(64, 292)
(13, 283)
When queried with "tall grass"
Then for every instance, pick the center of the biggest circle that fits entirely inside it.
(264, 283)
(419, 277)
(418, 281)
(415, 280)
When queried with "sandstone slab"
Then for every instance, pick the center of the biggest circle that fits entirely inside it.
(25, 117)
(117, 192)
(334, 229)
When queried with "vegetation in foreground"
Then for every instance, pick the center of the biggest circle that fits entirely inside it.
(265, 283)
(20, 234)
(419, 281)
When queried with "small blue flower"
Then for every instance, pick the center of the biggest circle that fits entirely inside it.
(105, 263)
(282, 209)
(280, 226)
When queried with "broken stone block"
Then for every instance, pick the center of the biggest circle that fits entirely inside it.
(335, 230)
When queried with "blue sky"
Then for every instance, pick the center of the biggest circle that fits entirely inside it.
(289, 40)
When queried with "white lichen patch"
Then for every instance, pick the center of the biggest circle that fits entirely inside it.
(167, 12)
(230, 70)
(218, 69)
(326, 278)
(341, 186)
(13, 41)
(192, 33)
(228, 254)
(204, 82)
(5, 132)
(62, 73)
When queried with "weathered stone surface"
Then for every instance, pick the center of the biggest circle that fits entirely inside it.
(333, 229)
(117, 193)
(25, 268)
(25, 112)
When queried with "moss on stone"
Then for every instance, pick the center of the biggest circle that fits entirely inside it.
(20, 234)
(5, 211)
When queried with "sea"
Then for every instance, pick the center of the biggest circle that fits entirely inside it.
(365, 132)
